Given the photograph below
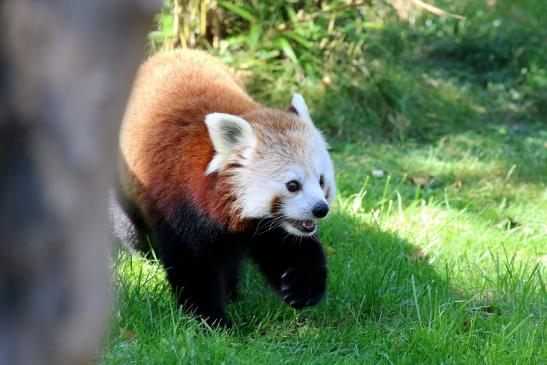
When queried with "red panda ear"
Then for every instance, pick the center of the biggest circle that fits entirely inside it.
(299, 107)
(228, 133)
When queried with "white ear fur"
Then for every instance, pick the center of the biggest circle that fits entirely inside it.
(301, 108)
(228, 133)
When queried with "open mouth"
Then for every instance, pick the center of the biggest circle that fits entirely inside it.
(304, 226)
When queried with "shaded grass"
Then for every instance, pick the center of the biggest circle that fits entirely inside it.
(439, 260)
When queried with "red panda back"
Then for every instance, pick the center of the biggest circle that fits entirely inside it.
(165, 146)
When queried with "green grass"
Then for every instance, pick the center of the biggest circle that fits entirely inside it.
(439, 260)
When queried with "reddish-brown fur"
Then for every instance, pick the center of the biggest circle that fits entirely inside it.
(275, 205)
(164, 141)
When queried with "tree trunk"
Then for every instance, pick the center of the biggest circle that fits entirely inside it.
(65, 72)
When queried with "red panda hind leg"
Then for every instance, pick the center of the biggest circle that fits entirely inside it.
(202, 264)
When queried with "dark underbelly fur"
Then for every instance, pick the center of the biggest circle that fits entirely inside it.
(202, 260)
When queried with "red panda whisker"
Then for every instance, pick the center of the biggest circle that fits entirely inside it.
(258, 227)
(275, 223)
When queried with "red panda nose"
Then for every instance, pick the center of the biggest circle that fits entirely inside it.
(320, 210)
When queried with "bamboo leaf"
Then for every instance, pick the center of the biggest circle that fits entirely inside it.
(254, 36)
(287, 49)
(268, 55)
(299, 39)
(243, 13)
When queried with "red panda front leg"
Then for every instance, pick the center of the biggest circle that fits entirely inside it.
(295, 266)
(231, 280)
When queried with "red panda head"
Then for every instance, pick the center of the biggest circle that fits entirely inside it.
(277, 163)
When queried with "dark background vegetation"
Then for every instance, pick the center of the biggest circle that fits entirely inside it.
(379, 60)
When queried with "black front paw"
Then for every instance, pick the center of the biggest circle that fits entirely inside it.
(303, 287)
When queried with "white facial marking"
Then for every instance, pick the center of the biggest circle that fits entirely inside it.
(290, 149)
(300, 204)
(268, 176)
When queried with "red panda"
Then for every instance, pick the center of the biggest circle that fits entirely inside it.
(208, 175)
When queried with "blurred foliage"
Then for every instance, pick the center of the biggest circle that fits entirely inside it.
(392, 68)
(297, 39)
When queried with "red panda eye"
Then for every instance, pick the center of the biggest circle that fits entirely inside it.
(293, 186)
(321, 180)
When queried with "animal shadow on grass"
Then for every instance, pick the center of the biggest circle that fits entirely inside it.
(373, 274)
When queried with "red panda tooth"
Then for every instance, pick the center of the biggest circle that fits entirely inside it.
(308, 224)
